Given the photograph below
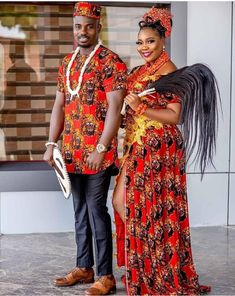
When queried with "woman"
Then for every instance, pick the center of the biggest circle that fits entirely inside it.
(151, 211)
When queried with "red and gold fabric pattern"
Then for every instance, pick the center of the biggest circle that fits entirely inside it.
(85, 114)
(154, 244)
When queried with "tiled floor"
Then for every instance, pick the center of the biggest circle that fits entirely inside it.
(29, 263)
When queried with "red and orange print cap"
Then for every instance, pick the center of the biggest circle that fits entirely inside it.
(87, 9)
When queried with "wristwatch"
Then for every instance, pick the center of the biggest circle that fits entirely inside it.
(101, 148)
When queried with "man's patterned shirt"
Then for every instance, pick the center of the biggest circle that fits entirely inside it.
(85, 114)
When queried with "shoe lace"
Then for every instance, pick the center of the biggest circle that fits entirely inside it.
(74, 270)
(102, 279)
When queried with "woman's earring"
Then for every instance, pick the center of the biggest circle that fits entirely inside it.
(163, 48)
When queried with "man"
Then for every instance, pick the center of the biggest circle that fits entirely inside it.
(91, 87)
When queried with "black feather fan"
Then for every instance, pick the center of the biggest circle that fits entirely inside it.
(197, 88)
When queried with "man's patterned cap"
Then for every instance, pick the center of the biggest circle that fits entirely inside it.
(87, 9)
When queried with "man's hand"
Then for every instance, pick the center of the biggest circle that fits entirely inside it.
(48, 155)
(95, 160)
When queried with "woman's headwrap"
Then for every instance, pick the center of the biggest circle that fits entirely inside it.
(162, 15)
(87, 9)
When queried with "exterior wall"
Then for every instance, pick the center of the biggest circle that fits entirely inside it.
(179, 34)
(30, 212)
(38, 212)
(231, 219)
(209, 40)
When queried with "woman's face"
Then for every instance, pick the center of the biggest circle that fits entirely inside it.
(149, 44)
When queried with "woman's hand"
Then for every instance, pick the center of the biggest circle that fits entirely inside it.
(132, 100)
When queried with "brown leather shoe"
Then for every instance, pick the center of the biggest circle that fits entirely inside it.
(105, 285)
(77, 275)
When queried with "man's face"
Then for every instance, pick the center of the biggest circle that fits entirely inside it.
(86, 31)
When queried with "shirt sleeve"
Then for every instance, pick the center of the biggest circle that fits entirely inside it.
(114, 75)
(60, 79)
(175, 99)
(172, 98)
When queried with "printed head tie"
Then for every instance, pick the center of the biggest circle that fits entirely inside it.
(161, 15)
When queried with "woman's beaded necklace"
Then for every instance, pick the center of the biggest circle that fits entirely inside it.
(138, 79)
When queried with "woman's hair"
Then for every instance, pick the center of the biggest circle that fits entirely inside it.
(155, 25)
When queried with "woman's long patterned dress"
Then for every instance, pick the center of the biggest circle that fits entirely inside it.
(157, 252)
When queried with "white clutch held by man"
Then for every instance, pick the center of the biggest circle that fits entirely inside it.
(61, 172)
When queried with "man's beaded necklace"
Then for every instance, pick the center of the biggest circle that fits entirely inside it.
(80, 78)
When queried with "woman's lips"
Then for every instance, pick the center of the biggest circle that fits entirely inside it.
(146, 54)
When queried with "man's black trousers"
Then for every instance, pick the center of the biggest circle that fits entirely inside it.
(92, 219)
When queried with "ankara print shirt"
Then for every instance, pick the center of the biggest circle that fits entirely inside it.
(85, 114)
